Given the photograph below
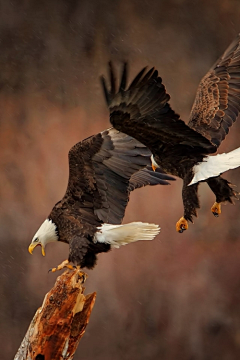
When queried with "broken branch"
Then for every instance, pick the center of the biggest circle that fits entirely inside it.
(59, 324)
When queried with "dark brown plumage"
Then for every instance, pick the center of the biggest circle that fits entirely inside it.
(103, 170)
(176, 146)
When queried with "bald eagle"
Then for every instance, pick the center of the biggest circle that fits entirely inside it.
(103, 170)
(180, 149)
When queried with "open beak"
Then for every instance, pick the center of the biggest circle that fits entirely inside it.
(32, 247)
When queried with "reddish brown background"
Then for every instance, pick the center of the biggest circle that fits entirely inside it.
(177, 297)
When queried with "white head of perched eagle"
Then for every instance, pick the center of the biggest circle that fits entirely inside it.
(46, 233)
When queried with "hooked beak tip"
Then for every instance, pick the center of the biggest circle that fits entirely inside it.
(30, 249)
(43, 251)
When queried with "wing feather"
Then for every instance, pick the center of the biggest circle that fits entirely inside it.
(143, 112)
(147, 176)
(217, 103)
(103, 170)
(123, 172)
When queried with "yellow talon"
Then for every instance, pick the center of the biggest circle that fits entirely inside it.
(216, 209)
(181, 225)
(64, 264)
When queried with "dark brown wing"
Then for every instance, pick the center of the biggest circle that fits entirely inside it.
(103, 170)
(147, 176)
(141, 110)
(217, 102)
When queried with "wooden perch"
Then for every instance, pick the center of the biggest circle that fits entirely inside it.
(58, 326)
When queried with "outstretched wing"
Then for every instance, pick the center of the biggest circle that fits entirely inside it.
(217, 101)
(147, 176)
(103, 170)
(141, 110)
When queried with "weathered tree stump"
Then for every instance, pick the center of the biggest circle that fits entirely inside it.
(58, 326)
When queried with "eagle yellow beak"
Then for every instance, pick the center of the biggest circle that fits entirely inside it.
(153, 163)
(154, 167)
(32, 247)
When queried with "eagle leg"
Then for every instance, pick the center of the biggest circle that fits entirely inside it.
(190, 204)
(181, 225)
(223, 191)
(64, 264)
(216, 209)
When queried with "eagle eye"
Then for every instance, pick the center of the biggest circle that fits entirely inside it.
(35, 240)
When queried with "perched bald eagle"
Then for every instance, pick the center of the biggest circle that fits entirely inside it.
(103, 170)
(180, 149)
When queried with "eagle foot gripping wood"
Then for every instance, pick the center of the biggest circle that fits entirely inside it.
(65, 264)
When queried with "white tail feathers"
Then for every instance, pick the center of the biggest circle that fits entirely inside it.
(215, 165)
(117, 235)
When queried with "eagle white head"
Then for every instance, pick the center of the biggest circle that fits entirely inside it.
(45, 234)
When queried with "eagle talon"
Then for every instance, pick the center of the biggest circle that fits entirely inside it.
(181, 225)
(82, 276)
(216, 209)
(64, 264)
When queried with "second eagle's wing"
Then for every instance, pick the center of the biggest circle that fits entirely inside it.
(217, 102)
(142, 111)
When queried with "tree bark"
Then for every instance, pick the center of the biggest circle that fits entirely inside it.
(57, 327)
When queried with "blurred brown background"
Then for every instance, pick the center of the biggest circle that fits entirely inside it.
(177, 297)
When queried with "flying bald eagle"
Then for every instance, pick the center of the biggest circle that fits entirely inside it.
(180, 149)
(103, 170)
